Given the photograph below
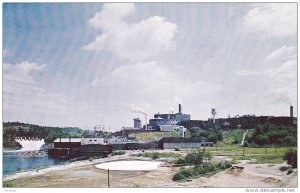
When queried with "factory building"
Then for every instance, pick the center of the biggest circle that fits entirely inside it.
(137, 123)
(181, 143)
(164, 122)
(174, 118)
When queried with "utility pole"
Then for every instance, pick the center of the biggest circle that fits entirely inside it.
(108, 178)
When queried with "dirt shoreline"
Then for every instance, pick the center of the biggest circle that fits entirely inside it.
(81, 163)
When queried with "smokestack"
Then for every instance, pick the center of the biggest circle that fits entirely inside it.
(180, 108)
(291, 112)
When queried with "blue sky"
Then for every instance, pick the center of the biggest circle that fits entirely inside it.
(81, 64)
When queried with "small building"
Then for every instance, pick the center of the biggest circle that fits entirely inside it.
(89, 150)
(182, 131)
(181, 143)
(165, 128)
(137, 123)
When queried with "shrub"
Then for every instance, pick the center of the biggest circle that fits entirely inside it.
(136, 185)
(210, 167)
(177, 149)
(8, 184)
(179, 161)
(246, 144)
(291, 157)
(92, 158)
(154, 156)
(228, 164)
(283, 168)
(290, 170)
(197, 157)
(201, 169)
(178, 177)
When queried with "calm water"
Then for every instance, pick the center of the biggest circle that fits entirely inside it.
(12, 162)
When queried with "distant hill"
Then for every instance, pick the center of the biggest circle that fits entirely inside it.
(12, 130)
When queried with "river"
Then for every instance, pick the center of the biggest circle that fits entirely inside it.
(12, 162)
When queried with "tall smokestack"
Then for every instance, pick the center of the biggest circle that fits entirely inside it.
(291, 112)
(180, 108)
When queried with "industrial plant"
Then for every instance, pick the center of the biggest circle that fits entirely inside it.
(173, 122)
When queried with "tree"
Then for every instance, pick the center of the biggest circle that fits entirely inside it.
(291, 157)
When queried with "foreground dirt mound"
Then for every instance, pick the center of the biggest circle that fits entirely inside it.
(235, 170)
(271, 180)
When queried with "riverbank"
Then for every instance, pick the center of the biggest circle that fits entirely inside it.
(65, 166)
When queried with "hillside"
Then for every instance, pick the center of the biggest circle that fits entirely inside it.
(12, 130)
(235, 136)
(154, 135)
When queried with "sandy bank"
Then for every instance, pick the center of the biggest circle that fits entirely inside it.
(35, 172)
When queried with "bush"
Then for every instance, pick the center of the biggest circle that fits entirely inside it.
(178, 177)
(228, 164)
(179, 161)
(197, 157)
(283, 168)
(155, 156)
(201, 169)
(290, 170)
(7, 184)
(92, 158)
(177, 149)
(210, 167)
(291, 157)
(246, 144)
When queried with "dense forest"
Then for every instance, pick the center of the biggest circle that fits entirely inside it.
(261, 135)
(271, 134)
(12, 130)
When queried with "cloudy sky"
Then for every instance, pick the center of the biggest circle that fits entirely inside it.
(90, 63)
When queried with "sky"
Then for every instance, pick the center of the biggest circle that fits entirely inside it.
(87, 64)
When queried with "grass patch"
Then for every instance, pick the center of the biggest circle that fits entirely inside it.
(156, 155)
(230, 150)
(261, 159)
(7, 184)
(154, 135)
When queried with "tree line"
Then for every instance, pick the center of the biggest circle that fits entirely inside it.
(11, 130)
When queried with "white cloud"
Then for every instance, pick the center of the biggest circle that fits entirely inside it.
(230, 12)
(135, 42)
(272, 19)
(95, 82)
(112, 15)
(286, 71)
(154, 87)
(282, 76)
(283, 53)
(248, 73)
(25, 100)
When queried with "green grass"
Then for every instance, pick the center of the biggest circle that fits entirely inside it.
(153, 135)
(262, 155)
(238, 150)
(7, 184)
(156, 155)
(261, 159)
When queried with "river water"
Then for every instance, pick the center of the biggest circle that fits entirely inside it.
(12, 162)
